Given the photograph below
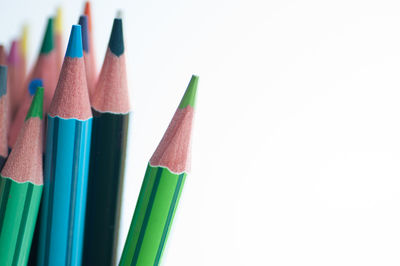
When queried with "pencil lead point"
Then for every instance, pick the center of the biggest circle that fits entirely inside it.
(48, 40)
(83, 21)
(3, 80)
(116, 43)
(74, 48)
(36, 109)
(189, 98)
(33, 85)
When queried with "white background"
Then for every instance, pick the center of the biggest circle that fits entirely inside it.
(296, 145)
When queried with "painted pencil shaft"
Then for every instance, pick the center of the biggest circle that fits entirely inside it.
(106, 173)
(155, 209)
(64, 197)
(19, 205)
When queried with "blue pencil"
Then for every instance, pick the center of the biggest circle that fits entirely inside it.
(69, 125)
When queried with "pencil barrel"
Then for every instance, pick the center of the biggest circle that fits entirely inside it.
(19, 205)
(152, 220)
(106, 173)
(65, 188)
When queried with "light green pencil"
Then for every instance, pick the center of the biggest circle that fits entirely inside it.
(161, 188)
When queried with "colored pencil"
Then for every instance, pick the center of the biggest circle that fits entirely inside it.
(161, 188)
(90, 74)
(21, 184)
(46, 66)
(110, 106)
(58, 32)
(69, 124)
(3, 115)
(14, 81)
(92, 54)
(18, 122)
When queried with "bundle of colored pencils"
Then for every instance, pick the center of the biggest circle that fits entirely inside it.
(77, 119)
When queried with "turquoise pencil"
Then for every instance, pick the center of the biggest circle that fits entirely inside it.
(69, 125)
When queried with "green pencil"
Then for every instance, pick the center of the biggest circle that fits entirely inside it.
(161, 188)
(21, 184)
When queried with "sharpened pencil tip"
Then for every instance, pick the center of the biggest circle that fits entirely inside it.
(48, 40)
(116, 43)
(189, 98)
(36, 109)
(74, 48)
(3, 80)
(33, 85)
(83, 21)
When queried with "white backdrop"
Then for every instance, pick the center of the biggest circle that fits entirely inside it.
(296, 145)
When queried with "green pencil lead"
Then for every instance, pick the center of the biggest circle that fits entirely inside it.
(190, 94)
(48, 40)
(36, 109)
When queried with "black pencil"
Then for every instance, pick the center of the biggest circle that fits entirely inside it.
(110, 106)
